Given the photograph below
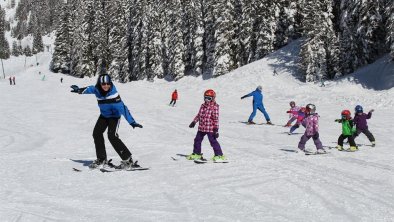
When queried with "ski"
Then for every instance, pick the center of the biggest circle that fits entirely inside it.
(179, 156)
(247, 123)
(110, 170)
(202, 161)
(315, 153)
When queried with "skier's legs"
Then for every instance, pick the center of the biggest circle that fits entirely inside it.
(262, 109)
(99, 128)
(341, 138)
(215, 144)
(197, 142)
(317, 141)
(293, 128)
(119, 146)
(253, 114)
(369, 135)
(291, 120)
(303, 140)
(351, 141)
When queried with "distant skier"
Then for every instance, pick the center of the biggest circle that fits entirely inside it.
(208, 118)
(293, 113)
(347, 131)
(174, 97)
(311, 123)
(10, 80)
(300, 116)
(111, 108)
(13, 79)
(61, 80)
(360, 120)
(257, 105)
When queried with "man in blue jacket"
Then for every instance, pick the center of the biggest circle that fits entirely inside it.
(257, 105)
(111, 108)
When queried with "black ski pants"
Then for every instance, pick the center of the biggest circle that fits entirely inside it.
(350, 139)
(366, 132)
(112, 124)
(173, 102)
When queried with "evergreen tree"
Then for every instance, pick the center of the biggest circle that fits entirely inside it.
(4, 45)
(320, 51)
(16, 49)
(61, 57)
(27, 51)
(38, 45)
(189, 26)
(390, 28)
(119, 66)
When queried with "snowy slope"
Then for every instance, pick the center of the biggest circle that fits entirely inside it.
(46, 131)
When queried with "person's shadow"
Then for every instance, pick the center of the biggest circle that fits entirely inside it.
(84, 162)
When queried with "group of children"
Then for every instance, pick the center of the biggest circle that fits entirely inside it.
(351, 127)
(112, 107)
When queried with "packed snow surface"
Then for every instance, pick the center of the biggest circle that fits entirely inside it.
(46, 131)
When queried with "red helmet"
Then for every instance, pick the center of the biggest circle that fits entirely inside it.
(210, 93)
(346, 113)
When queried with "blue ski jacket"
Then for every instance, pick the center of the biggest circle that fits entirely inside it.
(111, 105)
(257, 97)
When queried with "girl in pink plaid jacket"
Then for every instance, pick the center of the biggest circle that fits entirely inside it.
(208, 118)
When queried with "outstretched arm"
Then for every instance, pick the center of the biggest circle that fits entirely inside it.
(84, 90)
(247, 95)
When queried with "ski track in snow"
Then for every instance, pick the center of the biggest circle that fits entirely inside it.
(46, 131)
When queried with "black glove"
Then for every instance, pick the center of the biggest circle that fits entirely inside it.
(192, 124)
(216, 133)
(135, 124)
(243, 97)
(75, 89)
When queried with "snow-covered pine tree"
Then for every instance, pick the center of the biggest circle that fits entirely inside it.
(12, 3)
(135, 40)
(167, 19)
(390, 28)
(84, 45)
(319, 53)
(100, 36)
(208, 12)
(370, 31)
(190, 36)
(16, 49)
(38, 45)
(119, 66)
(4, 45)
(61, 57)
(27, 51)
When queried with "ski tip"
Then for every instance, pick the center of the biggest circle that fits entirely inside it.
(76, 170)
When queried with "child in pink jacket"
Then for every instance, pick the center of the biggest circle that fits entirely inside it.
(311, 123)
(208, 118)
(293, 113)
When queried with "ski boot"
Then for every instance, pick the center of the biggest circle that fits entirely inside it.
(219, 159)
(321, 151)
(340, 148)
(269, 122)
(194, 156)
(125, 164)
(353, 148)
(250, 122)
(373, 143)
(287, 125)
(98, 163)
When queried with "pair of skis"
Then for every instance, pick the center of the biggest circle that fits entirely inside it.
(198, 161)
(110, 167)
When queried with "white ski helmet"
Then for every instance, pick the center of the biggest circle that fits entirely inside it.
(310, 108)
(260, 88)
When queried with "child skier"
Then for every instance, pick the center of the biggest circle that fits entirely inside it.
(360, 120)
(311, 123)
(208, 118)
(111, 108)
(347, 131)
(257, 104)
(300, 116)
(174, 97)
(293, 113)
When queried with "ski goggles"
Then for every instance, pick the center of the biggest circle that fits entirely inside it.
(208, 98)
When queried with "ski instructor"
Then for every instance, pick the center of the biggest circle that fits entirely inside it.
(111, 108)
(257, 105)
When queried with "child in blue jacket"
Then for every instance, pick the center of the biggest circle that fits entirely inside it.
(111, 108)
(257, 105)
